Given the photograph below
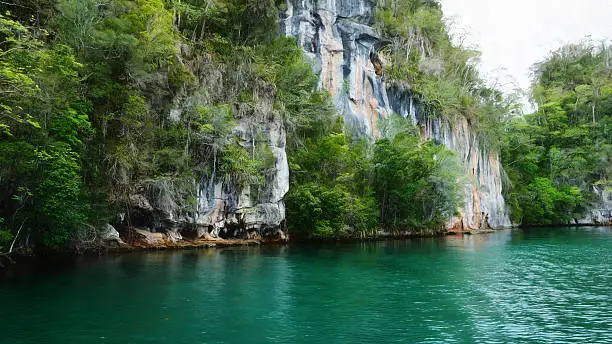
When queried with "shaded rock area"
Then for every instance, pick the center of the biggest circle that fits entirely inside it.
(137, 238)
(130, 238)
(601, 212)
(148, 238)
(110, 237)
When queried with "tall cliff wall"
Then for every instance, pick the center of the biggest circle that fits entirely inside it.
(339, 38)
(214, 207)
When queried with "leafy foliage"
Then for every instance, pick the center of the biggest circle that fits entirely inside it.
(557, 156)
(61, 210)
(329, 195)
(344, 189)
(415, 183)
(45, 124)
(422, 57)
(89, 93)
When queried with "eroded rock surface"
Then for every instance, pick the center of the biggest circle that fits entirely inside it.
(337, 35)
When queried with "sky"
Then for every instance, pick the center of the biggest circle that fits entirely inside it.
(514, 34)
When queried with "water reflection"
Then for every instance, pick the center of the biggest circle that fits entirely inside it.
(478, 242)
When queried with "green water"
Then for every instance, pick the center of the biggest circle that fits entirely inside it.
(519, 286)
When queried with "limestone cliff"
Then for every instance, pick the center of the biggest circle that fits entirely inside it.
(212, 204)
(219, 209)
(338, 37)
(601, 212)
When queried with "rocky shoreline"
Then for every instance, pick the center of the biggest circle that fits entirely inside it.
(145, 241)
(109, 240)
(140, 240)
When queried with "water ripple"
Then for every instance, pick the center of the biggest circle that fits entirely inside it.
(522, 286)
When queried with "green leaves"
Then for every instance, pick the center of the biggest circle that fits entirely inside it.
(548, 204)
(555, 156)
(330, 194)
(59, 197)
(327, 212)
(350, 189)
(415, 183)
(5, 238)
(43, 125)
(71, 127)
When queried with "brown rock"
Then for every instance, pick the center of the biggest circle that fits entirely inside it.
(149, 238)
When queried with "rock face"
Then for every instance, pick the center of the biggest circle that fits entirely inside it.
(149, 238)
(219, 209)
(338, 37)
(601, 213)
(110, 236)
(230, 212)
(214, 205)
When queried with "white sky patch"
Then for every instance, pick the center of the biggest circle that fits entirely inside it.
(514, 34)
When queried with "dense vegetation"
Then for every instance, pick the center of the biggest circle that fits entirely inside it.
(100, 100)
(558, 159)
(87, 88)
(88, 93)
(343, 187)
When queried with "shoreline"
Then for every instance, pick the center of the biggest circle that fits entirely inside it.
(203, 244)
(134, 246)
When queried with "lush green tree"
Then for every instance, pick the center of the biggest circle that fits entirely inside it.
(558, 155)
(415, 183)
(60, 202)
(329, 195)
(45, 124)
(342, 188)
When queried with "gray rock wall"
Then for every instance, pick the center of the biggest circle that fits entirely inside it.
(214, 206)
(220, 209)
(228, 211)
(338, 37)
(601, 213)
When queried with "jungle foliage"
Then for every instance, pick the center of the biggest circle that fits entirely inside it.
(88, 93)
(355, 188)
(100, 100)
(559, 159)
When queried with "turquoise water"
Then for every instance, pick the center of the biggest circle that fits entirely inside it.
(515, 286)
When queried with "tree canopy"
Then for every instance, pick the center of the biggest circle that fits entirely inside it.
(558, 159)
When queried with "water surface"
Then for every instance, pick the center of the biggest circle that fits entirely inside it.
(515, 286)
